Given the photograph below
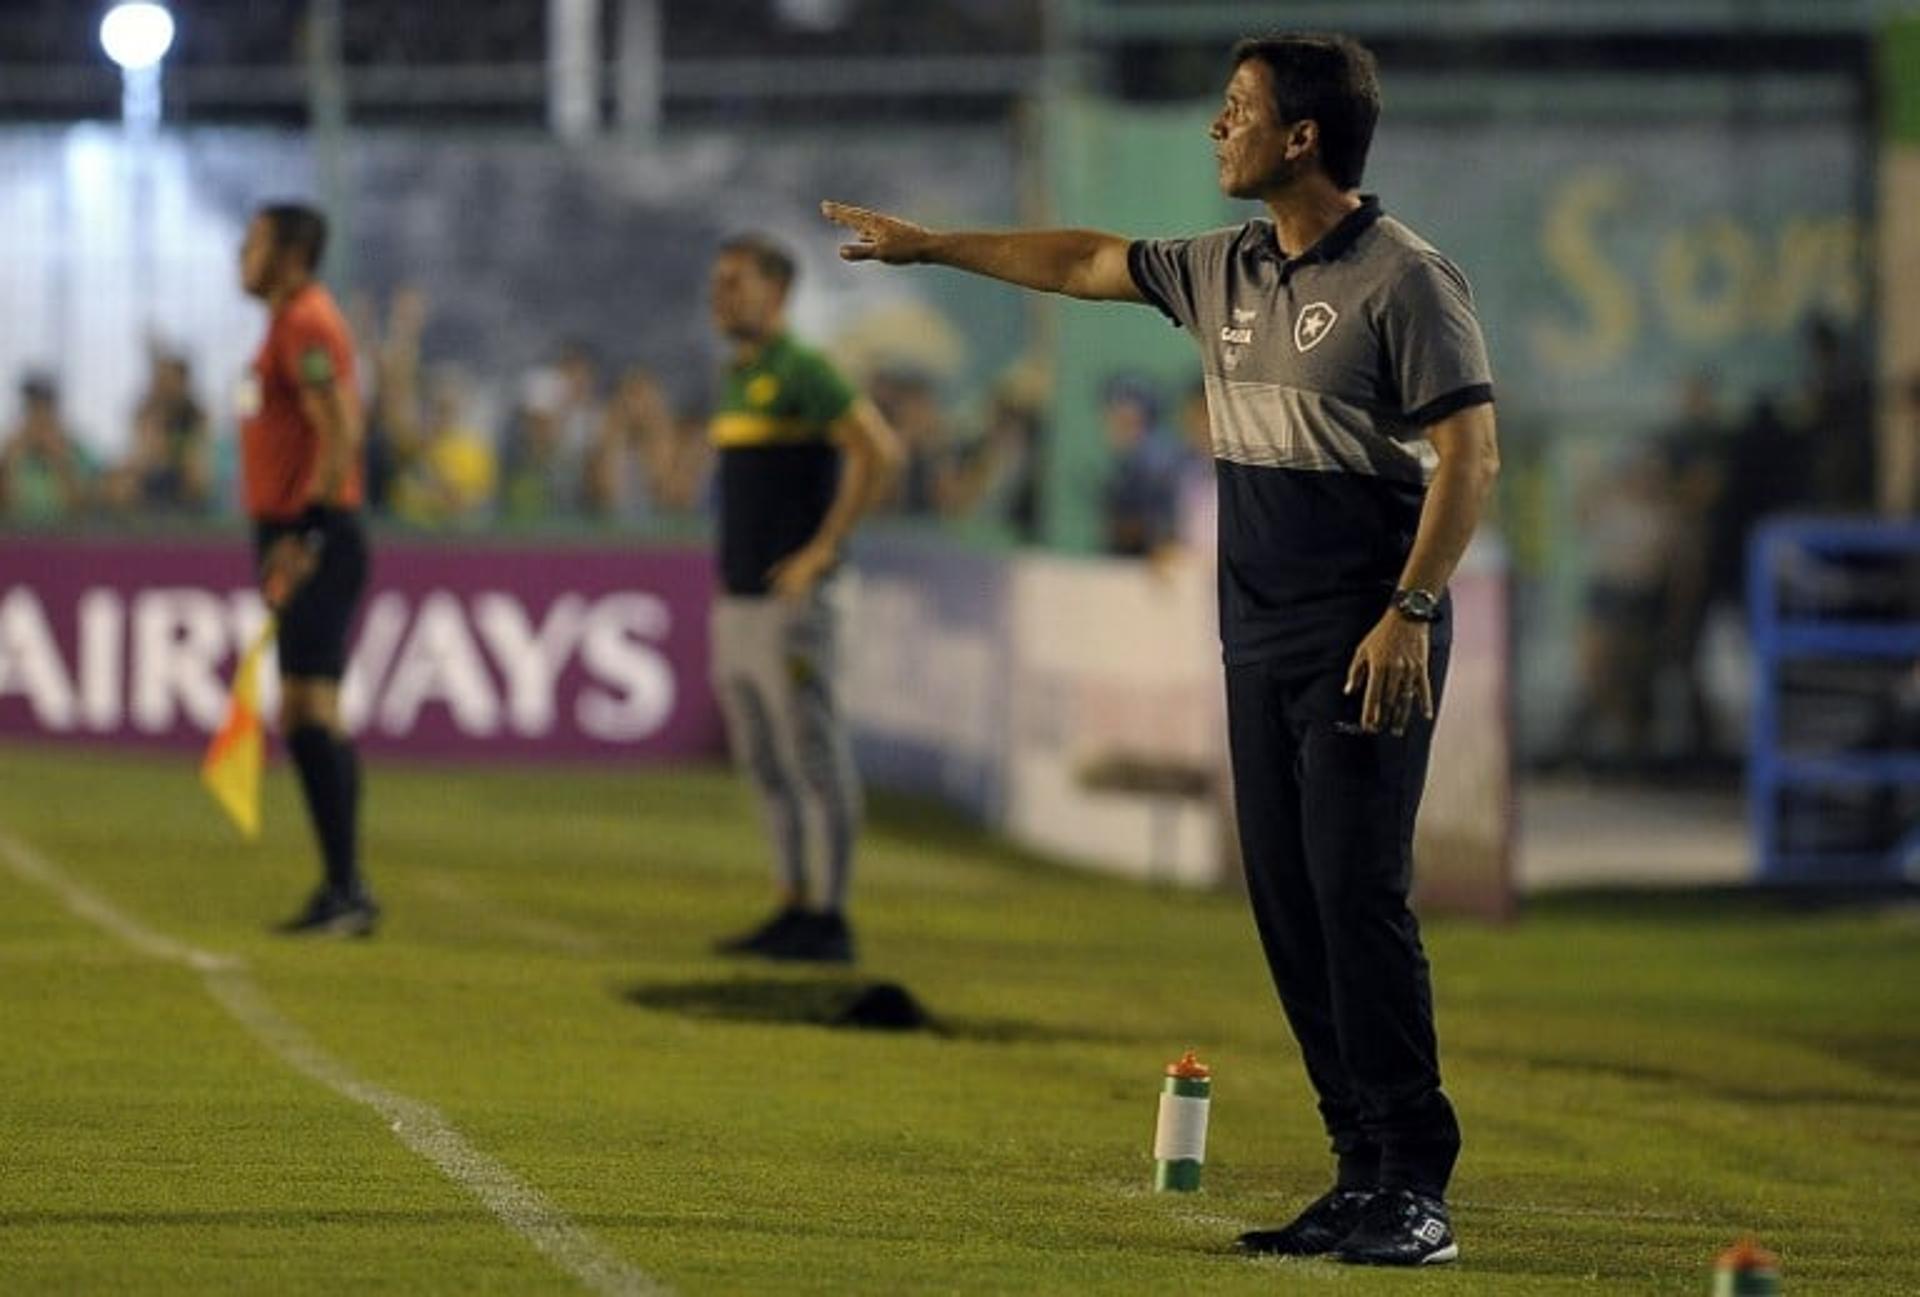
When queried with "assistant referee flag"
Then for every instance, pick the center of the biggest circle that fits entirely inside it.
(231, 768)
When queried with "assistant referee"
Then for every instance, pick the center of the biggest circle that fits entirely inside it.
(1353, 434)
(300, 466)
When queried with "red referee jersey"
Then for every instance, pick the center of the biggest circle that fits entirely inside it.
(307, 346)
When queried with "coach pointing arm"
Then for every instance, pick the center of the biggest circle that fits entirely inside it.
(1079, 263)
(1390, 664)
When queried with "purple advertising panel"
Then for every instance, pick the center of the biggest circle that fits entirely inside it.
(473, 651)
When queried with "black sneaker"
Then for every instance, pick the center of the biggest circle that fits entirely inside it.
(330, 914)
(763, 939)
(1401, 1227)
(1321, 1228)
(817, 939)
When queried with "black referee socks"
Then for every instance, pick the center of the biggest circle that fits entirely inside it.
(330, 776)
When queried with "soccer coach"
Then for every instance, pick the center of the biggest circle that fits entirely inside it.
(300, 465)
(1351, 406)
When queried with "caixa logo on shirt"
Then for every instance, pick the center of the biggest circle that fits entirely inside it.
(1237, 335)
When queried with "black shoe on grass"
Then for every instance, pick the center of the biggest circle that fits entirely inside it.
(817, 939)
(1321, 1228)
(1401, 1227)
(330, 914)
(763, 939)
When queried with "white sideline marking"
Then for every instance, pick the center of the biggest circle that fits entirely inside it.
(420, 1126)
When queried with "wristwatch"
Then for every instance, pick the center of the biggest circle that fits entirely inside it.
(1417, 605)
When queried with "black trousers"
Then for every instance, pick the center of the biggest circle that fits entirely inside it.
(1326, 816)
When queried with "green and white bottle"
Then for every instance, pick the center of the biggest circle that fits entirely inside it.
(1180, 1136)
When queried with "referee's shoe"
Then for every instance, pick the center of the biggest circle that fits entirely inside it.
(1401, 1227)
(329, 914)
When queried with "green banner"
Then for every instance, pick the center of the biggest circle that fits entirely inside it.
(1900, 80)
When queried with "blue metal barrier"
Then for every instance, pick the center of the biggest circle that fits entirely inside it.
(1801, 573)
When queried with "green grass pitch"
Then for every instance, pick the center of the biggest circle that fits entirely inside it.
(1640, 1082)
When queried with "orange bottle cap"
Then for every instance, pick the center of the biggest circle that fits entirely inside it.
(1189, 1067)
(1748, 1255)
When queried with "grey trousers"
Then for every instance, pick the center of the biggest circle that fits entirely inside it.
(774, 664)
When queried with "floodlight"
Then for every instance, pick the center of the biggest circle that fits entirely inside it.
(137, 34)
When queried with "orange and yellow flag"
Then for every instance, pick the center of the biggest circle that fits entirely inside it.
(231, 768)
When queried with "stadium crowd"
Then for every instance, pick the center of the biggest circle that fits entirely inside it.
(1665, 522)
(573, 442)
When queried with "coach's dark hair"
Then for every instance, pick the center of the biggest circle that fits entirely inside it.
(299, 227)
(769, 258)
(1331, 79)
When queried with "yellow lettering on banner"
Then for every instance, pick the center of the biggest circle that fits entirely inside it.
(1713, 282)
(1717, 281)
(1572, 247)
(1817, 269)
(1707, 279)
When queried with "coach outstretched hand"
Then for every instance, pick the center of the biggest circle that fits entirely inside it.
(877, 236)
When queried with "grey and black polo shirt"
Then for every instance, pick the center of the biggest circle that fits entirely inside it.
(1323, 372)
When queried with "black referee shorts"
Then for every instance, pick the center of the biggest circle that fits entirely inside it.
(312, 640)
